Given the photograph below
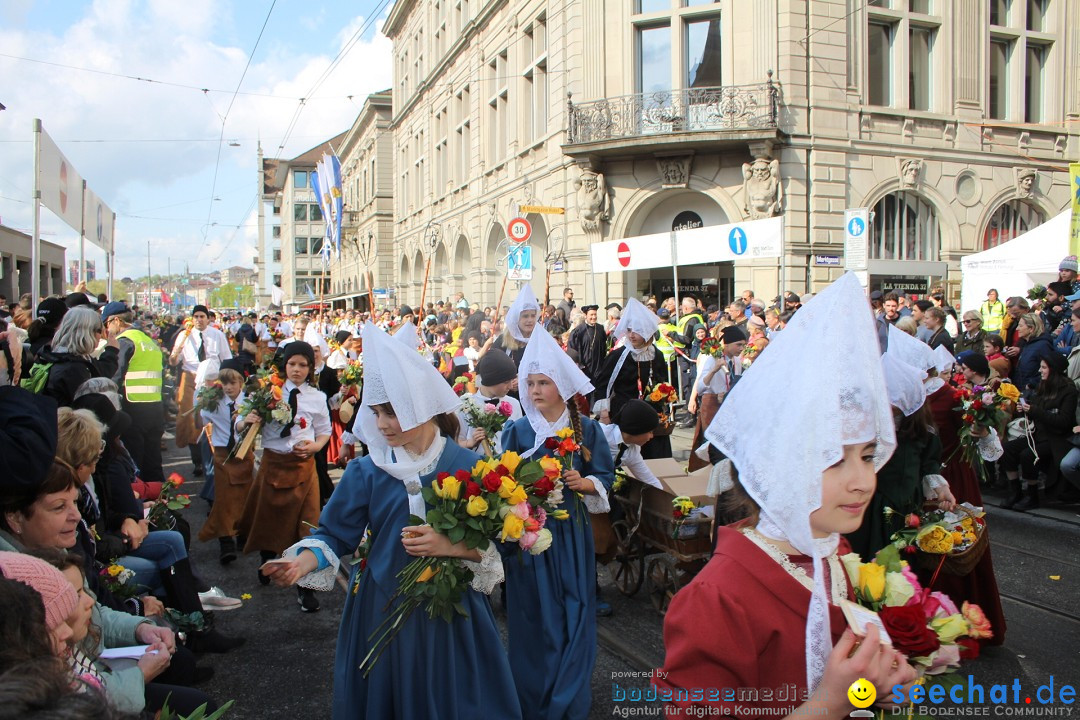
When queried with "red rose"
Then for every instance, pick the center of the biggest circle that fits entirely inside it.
(501, 470)
(969, 648)
(543, 486)
(912, 520)
(908, 630)
(463, 476)
(459, 388)
(176, 478)
(676, 513)
(977, 405)
(910, 549)
(551, 443)
(492, 482)
(471, 489)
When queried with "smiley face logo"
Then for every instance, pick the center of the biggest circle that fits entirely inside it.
(862, 693)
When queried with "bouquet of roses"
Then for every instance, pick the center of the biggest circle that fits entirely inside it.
(939, 532)
(208, 397)
(465, 383)
(661, 396)
(116, 578)
(473, 507)
(983, 407)
(487, 417)
(263, 397)
(168, 500)
(682, 508)
(712, 346)
(749, 355)
(926, 626)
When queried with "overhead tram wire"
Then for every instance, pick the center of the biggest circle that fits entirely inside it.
(224, 119)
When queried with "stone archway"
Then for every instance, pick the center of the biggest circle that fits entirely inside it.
(461, 265)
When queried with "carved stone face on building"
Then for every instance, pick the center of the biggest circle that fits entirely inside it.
(1025, 182)
(761, 169)
(909, 171)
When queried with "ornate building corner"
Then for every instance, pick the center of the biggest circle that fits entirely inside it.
(593, 201)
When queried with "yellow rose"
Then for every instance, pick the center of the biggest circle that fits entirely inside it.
(477, 506)
(958, 538)
(934, 539)
(482, 468)
(950, 627)
(115, 570)
(517, 496)
(512, 527)
(451, 488)
(872, 581)
(898, 589)
(559, 514)
(564, 433)
(510, 460)
(1009, 392)
(551, 466)
(428, 573)
(509, 485)
(656, 396)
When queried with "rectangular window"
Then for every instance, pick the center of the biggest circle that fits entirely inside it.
(654, 59)
(692, 3)
(498, 111)
(300, 246)
(300, 179)
(999, 12)
(300, 213)
(277, 255)
(316, 245)
(1036, 15)
(999, 79)
(648, 6)
(879, 80)
(921, 43)
(276, 231)
(372, 176)
(919, 6)
(1033, 83)
(277, 280)
(534, 49)
(316, 213)
(703, 53)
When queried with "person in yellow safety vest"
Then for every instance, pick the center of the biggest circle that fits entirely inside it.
(993, 312)
(665, 328)
(683, 338)
(139, 377)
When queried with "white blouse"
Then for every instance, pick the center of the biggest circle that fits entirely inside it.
(213, 340)
(310, 405)
(221, 419)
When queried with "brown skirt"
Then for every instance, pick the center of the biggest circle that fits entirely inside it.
(187, 429)
(709, 403)
(232, 481)
(283, 504)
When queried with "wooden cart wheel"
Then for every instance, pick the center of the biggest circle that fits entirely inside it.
(629, 560)
(664, 582)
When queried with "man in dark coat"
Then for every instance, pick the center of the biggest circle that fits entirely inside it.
(590, 342)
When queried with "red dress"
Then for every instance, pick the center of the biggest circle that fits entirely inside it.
(737, 633)
(980, 585)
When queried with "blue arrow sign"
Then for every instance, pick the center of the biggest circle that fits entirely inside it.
(856, 227)
(737, 240)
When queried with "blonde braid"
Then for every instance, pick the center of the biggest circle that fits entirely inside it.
(575, 422)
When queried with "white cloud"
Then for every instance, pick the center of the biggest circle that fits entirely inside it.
(172, 41)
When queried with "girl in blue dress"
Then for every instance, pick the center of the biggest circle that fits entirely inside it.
(432, 669)
(551, 597)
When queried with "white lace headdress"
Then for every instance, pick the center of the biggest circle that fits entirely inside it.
(526, 300)
(819, 387)
(915, 353)
(408, 335)
(638, 318)
(943, 359)
(396, 374)
(904, 383)
(315, 339)
(544, 356)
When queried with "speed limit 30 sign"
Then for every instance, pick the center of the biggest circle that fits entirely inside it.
(519, 229)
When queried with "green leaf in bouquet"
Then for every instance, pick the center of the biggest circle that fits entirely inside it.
(529, 473)
(415, 520)
(434, 517)
(889, 556)
(474, 524)
(460, 609)
(450, 521)
(457, 534)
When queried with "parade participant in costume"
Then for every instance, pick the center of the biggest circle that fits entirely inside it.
(771, 590)
(912, 474)
(191, 348)
(629, 371)
(520, 323)
(432, 668)
(283, 504)
(338, 453)
(551, 597)
(232, 476)
(495, 373)
(327, 382)
(590, 341)
(718, 375)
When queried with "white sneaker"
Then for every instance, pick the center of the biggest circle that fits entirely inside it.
(216, 599)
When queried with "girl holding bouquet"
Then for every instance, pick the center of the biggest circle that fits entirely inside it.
(629, 371)
(521, 320)
(284, 501)
(432, 668)
(772, 589)
(495, 374)
(551, 597)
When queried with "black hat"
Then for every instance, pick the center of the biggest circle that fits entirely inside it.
(877, 295)
(790, 297)
(1057, 362)
(52, 311)
(587, 308)
(298, 347)
(405, 310)
(251, 314)
(712, 308)
(974, 361)
(200, 308)
(76, 299)
(638, 417)
(115, 421)
(341, 336)
(732, 334)
(27, 437)
(233, 363)
(617, 306)
(495, 368)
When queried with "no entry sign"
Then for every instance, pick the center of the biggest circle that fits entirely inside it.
(623, 254)
(519, 229)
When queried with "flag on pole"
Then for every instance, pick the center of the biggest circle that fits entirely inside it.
(326, 251)
(309, 291)
(165, 299)
(338, 200)
(277, 295)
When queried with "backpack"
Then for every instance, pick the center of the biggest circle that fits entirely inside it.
(39, 376)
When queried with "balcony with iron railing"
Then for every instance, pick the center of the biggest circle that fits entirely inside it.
(667, 120)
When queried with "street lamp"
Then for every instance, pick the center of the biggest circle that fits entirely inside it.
(428, 243)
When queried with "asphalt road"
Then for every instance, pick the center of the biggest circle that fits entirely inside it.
(285, 669)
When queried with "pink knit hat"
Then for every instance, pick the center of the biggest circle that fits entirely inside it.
(57, 594)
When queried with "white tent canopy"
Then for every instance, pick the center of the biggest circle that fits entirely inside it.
(1015, 266)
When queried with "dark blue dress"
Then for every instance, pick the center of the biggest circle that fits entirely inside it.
(551, 597)
(432, 669)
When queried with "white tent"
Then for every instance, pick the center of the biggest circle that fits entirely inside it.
(1014, 267)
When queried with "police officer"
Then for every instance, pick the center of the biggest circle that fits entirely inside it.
(139, 377)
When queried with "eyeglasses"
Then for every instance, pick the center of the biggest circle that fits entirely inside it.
(968, 322)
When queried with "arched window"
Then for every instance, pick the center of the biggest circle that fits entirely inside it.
(905, 228)
(1011, 219)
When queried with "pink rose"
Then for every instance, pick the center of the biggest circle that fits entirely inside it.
(906, 571)
(489, 408)
(521, 510)
(946, 658)
(978, 625)
(528, 539)
(505, 409)
(988, 398)
(947, 606)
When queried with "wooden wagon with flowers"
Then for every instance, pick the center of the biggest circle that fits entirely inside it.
(664, 536)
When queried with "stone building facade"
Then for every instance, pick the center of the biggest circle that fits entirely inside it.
(953, 121)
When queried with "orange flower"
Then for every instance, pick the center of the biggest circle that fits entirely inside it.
(276, 392)
(277, 380)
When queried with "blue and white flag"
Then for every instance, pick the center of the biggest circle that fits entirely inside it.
(337, 197)
(309, 291)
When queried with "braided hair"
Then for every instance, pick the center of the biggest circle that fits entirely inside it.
(575, 422)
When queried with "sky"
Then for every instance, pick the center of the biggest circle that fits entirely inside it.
(158, 152)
